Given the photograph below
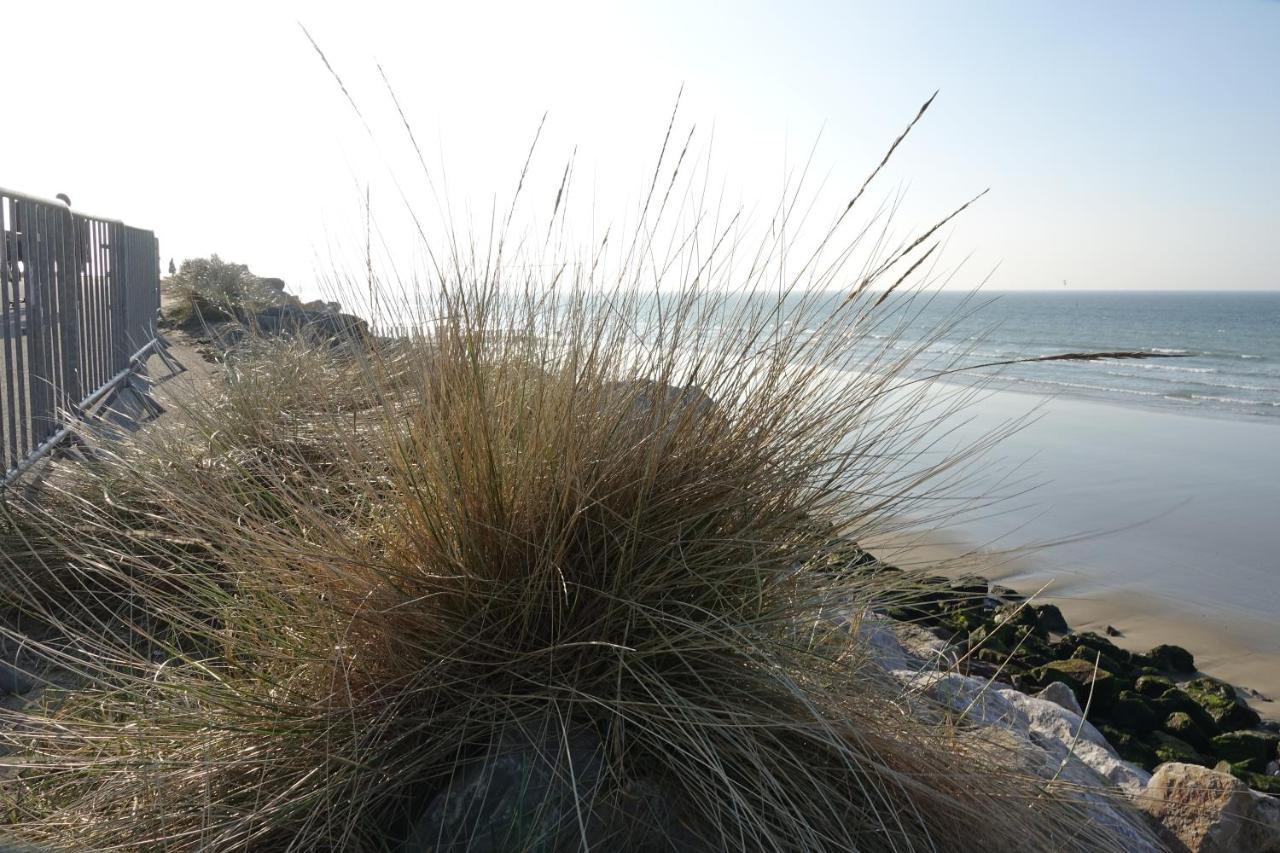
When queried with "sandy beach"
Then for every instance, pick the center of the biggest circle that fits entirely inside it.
(1164, 526)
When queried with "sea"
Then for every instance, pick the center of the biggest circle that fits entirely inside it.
(1220, 350)
(1147, 490)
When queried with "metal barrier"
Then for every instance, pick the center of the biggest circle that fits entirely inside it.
(79, 298)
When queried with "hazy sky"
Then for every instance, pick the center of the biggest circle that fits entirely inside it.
(1126, 144)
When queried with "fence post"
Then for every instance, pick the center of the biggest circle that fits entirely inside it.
(70, 262)
(115, 298)
(37, 293)
(10, 336)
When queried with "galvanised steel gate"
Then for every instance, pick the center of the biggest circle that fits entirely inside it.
(79, 297)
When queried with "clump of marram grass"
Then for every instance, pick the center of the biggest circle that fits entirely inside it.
(300, 603)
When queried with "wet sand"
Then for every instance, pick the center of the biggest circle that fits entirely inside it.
(1165, 526)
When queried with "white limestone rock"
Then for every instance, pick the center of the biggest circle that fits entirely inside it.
(1060, 694)
(1205, 811)
(1060, 730)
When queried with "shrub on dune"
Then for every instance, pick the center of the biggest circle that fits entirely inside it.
(211, 290)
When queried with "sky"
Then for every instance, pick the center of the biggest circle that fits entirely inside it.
(1125, 145)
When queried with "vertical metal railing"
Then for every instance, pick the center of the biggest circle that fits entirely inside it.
(79, 298)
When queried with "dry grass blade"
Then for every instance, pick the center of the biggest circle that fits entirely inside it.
(604, 524)
(888, 155)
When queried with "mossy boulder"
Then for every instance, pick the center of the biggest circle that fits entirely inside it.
(919, 606)
(999, 658)
(904, 613)
(1050, 619)
(1169, 748)
(996, 638)
(1220, 701)
(1094, 640)
(1130, 748)
(1143, 665)
(1251, 750)
(1012, 639)
(1081, 677)
(1104, 661)
(1152, 686)
(1181, 725)
(1265, 784)
(1175, 700)
(973, 585)
(1132, 712)
(961, 622)
(846, 555)
(1015, 614)
(925, 601)
(1004, 593)
(969, 594)
(1030, 648)
(1173, 659)
(1089, 646)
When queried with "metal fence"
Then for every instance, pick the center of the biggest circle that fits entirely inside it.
(79, 297)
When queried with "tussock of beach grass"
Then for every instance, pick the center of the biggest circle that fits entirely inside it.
(299, 605)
